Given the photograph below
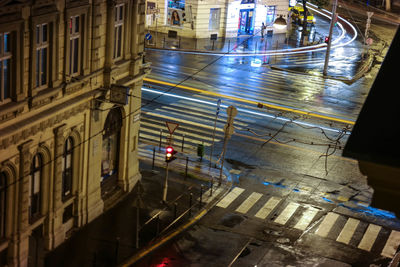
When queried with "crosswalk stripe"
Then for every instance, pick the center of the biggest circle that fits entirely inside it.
(327, 223)
(348, 231)
(287, 213)
(249, 202)
(206, 198)
(369, 237)
(391, 245)
(267, 208)
(231, 196)
(306, 219)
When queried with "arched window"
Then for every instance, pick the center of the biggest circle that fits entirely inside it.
(3, 203)
(35, 178)
(67, 168)
(110, 150)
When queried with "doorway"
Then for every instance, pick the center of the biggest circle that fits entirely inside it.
(36, 248)
(246, 22)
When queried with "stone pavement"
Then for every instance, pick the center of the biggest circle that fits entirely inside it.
(110, 240)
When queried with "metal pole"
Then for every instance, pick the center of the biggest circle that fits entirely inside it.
(229, 45)
(164, 199)
(211, 186)
(159, 147)
(222, 160)
(213, 139)
(328, 48)
(190, 204)
(183, 141)
(116, 250)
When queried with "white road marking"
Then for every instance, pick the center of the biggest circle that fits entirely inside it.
(306, 219)
(287, 213)
(231, 196)
(369, 237)
(348, 231)
(206, 198)
(249, 202)
(391, 245)
(268, 207)
(327, 223)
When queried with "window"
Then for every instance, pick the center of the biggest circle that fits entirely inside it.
(271, 13)
(42, 52)
(74, 44)
(67, 167)
(118, 30)
(5, 66)
(112, 130)
(215, 14)
(3, 204)
(178, 4)
(35, 178)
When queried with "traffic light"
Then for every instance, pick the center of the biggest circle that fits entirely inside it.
(169, 154)
(326, 39)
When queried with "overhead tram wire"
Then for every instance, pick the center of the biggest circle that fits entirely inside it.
(127, 115)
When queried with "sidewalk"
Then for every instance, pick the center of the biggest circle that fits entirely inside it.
(110, 240)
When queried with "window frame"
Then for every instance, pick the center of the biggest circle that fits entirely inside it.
(75, 35)
(41, 45)
(119, 28)
(4, 56)
(35, 172)
(67, 169)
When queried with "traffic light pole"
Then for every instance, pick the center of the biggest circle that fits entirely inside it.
(328, 48)
(165, 189)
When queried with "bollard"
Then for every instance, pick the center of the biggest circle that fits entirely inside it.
(212, 45)
(211, 188)
(175, 209)
(158, 224)
(186, 169)
(229, 45)
(255, 48)
(201, 195)
(154, 156)
(190, 204)
(164, 42)
(179, 44)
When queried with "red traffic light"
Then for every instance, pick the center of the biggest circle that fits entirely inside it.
(326, 39)
(169, 154)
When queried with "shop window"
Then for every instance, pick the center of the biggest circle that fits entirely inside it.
(215, 14)
(271, 14)
(67, 168)
(5, 66)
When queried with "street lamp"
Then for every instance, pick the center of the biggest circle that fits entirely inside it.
(280, 23)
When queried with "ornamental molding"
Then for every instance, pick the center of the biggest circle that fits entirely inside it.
(24, 134)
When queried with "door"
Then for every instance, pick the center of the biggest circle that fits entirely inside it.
(246, 22)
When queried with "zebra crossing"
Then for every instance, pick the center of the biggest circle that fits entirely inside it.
(354, 232)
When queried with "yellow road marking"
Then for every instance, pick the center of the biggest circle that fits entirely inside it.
(251, 101)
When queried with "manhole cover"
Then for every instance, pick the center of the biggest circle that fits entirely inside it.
(231, 220)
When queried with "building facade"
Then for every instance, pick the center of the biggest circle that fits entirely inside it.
(226, 18)
(70, 89)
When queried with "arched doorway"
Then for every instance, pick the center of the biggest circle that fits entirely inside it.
(110, 151)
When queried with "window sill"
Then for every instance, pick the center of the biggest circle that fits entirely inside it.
(11, 110)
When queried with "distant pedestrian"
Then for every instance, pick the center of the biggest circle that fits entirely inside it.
(263, 27)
